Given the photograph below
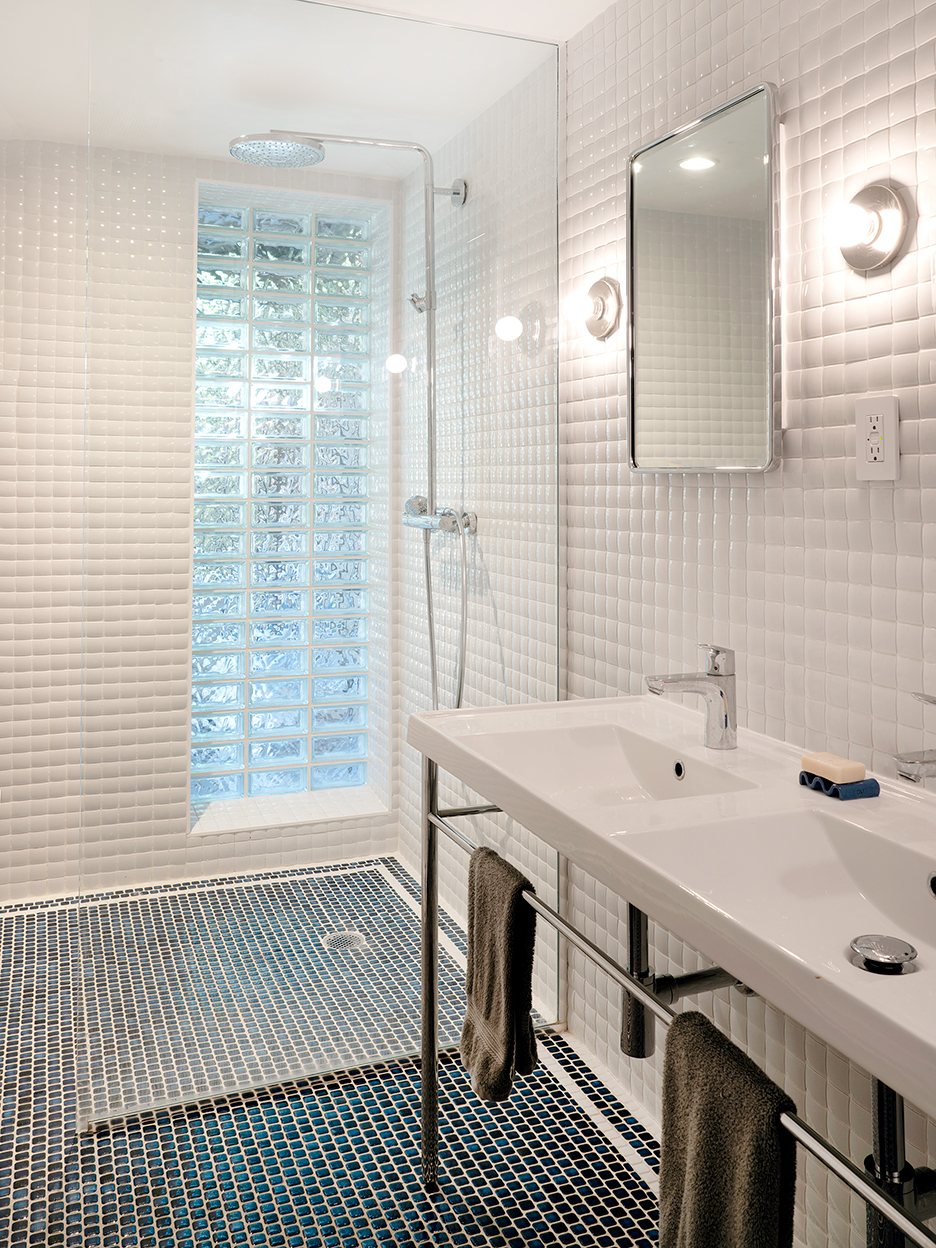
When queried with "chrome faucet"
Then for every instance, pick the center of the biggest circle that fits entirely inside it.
(918, 766)
(717, 686)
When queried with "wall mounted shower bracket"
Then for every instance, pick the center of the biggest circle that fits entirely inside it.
(457, 192)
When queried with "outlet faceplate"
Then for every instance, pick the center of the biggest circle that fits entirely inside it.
(877, 444)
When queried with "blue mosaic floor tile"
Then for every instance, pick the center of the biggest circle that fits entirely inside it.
(323, 1162)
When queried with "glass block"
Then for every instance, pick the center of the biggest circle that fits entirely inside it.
(337, 369)
(221, 574)
(339, 776)
(216, 218)
(352, 229)
(289, 719)
(343, 400)
(225, 246)
(280, 513)
(327, 343)
(278, 692)
(269, 426)
(226, 337)
(352, 629)
(209, 727)
(281, 368)
(262, 783)
(280, 572)
(340, 513)
(280, 602)
(221, 305)
(220, 483)
(338, 688)
(348, 541)
(327, 427)
(232, 276)
(336, 717)
(346, 571)
(286, 281)
(223, 633)
(330, 256)
(339, 600)
(219, 788)
(344, 287)
(217, 757)
(265, 339)
(279, 662)
(220, 513)
(220, 424)
(340, 456)
(293, 750)
(348, 485)
(208, 543)
(287, 310)
(229, 365)
(341, 313)
(348, 745)
(221, 454)
(281, 253)
(224, 394)
(279, 632)
(206, 697)
(279, 543)
(268, 221)
(339, 658)
(217, 666)
(281, 455)
(280, 483)
(280, 396)
(218, 604)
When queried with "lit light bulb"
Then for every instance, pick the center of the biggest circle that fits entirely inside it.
(853, 225)
(509, 328)
(323, 384)
(396, 363)
(578, 307)
(696, 162)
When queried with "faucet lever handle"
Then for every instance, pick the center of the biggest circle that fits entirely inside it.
(925, 697)
(719, 660)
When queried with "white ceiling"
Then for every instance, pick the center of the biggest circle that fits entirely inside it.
(555, 20)
(183, 77)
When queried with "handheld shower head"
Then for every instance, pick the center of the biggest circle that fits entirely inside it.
(283, 151)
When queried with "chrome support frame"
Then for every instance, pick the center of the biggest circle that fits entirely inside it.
(897, 1222)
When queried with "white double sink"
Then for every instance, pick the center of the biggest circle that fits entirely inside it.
(765, 877)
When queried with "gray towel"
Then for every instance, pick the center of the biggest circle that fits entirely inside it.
(728, 1170)
(497, 1039)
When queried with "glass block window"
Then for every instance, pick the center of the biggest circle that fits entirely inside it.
(282, 395)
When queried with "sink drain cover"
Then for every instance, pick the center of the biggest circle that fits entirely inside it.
(344, 942)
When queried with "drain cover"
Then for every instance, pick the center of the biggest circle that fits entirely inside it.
(344, 942)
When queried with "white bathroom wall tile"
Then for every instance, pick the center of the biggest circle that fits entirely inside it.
(833, 621)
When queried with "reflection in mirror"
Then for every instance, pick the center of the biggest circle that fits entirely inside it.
(702, 386)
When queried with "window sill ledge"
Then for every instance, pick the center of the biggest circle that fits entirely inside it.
(256, 814)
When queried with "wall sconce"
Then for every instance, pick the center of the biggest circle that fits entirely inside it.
(871, 228)
(600, 309)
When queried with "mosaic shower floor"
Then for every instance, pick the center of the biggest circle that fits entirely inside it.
(329, 1161)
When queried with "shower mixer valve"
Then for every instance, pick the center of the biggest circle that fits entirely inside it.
(416, 516)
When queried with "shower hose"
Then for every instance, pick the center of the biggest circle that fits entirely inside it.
(459, 686)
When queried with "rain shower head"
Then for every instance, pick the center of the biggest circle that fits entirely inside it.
(283, 151)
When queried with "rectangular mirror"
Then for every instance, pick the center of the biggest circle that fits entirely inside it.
(703, 383)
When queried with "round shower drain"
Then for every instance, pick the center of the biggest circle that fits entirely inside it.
(344, 942)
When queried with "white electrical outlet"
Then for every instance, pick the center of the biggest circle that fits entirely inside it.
(877, 443)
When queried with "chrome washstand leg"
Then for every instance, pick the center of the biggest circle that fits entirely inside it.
(429, 1140)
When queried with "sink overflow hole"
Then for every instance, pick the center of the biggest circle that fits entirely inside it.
(932, 883)
(679, 769)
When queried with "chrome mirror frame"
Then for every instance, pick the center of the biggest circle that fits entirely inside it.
(773, 412)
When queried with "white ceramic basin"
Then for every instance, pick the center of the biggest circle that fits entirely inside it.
(765, 877)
